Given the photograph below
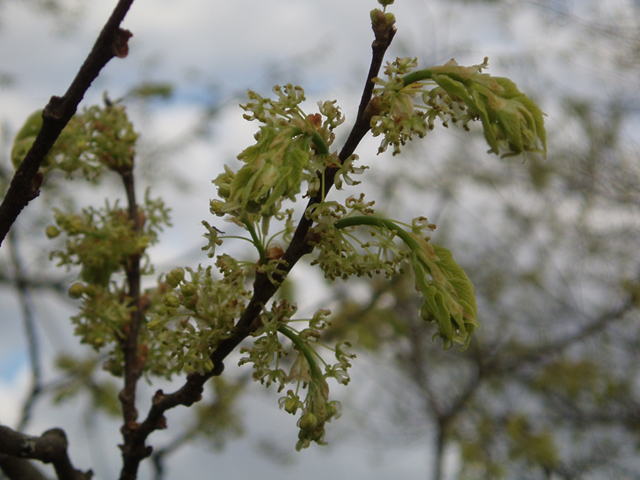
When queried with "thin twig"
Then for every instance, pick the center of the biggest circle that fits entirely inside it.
(30, 328)
(159, 455)
(537, 354)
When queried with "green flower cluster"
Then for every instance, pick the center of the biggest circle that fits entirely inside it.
(291, 148)
(102, 242)
(104, 314)
(98, 137)
(195, 314)
(267, 356)
(511, 120)
(341, 254)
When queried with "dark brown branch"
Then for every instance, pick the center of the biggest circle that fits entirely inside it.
(25, 185)
(50, 447)
(384, 34)
(132, 451)
(19, 469)
(263, 288)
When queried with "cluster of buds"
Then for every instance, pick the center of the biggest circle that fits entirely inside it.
(96, 139)
(197, 313)
(305, 373)
(103, 242)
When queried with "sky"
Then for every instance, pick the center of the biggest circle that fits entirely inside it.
(212, 52)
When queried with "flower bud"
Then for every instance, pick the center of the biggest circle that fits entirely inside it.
(308, 421)
(171, 301)
(291, 406)
(377, 16)
(188, 290)
(274, 253)
(74, 226)
(52, 231)
(334, 409)
(76, 290)
(191, 302)
(174, 277)
(208, 365)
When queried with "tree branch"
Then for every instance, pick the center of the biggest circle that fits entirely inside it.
(25, 185)
(131, 449)
(19, 469)
(263, 288)
(50, 447)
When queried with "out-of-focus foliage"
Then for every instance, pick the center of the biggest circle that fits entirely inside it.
(220, 419)
(547, 389)
(547, 385)
(65, 13)
(80, 378)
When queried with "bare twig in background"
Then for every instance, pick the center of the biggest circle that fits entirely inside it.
(30, 329)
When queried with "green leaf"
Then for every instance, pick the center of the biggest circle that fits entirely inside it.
(449, 295)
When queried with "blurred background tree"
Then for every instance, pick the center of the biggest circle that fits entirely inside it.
(548, 388)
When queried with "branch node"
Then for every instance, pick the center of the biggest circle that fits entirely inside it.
(121, 43)
(54, 110)
(158, 397)
(161, 424)
(36, 183)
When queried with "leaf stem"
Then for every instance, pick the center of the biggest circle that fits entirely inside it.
(420, 75)
(255, 240)
(378, 222)
(316, 139)
(306, 351)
